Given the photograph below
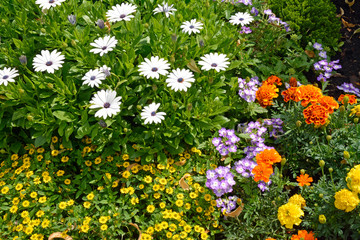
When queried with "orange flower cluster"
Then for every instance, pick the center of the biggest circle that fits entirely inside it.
(328, 103)
(265, 160)
(268, 91)
(289, 94)
(352, 99)
(304, 180)
(303, 235)
(316, 114)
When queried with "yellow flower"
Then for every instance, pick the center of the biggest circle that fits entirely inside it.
(207, 197)
(90, 196)
(60, 173)
(298, 199)
(88, 163)
(54, 139)
(187, 206)
(54, 153)
(126, 164)
(193, 195)
(355, 110)
(62, 205)
(141, 186)
(65, 159)
(40, 213)
(45, 223)
(29, 174)
(13, 209)
(70, 202)
(25, 203)
(199, 209)
(179, 203)
(150, 208)
(115, 184)
(289, 214)
(67, 181)
(104, 227)
(15, 201)
(146, 236)
(125, 157)
(158, 227)
(126, 174)
(37, 181)
(87, 204)
(134, 200)
(28, 230)
(19, 228)
(33, 194)
(162, 205)
(156, 187)
(183, 235)
(322, 219)
(150, 230)
(39, 157)
(47, 179)
(14, 157)
(19, 186)
(168, 234)
(353, 178)
(40, 150)
(346, 200)
(42, 199)
(169, 190)
(24, 214)
(103, 219)
(163, 181)
(157, 195)
(85, 228)
(98, 160)
(204, 236)
(5, 190)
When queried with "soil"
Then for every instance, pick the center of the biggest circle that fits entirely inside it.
(350, 52)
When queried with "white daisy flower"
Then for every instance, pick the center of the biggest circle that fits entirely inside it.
(191, 26)
(47, 4)
(180, 79)
(214, 61)
(154, 67)
(7, 75)
(121, 12)
(150, 115)
(106, 70)
(47, 61)
(93, 78)
(107, 101)
(165, 8)
(241, 18)
(103, 45)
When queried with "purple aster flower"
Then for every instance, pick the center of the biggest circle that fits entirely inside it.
(262, 185)
(317, 66)
(317, 46)
(323, 62)
(327, 75)
(224, 185)
(268, 12)
(224, 151)
(245, 174)
(232, 148)
(321, 77)
(216, 141)
(322, 54)
(327, 68)
(222, 132)
(211, 174)
(214, 184)
(254, 11)
(245, 30)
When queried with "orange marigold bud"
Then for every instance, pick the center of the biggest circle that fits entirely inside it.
(293, 82)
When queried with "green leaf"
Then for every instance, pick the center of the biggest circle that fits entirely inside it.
(39, 141)
(17, 43)
(219, 121)
(65, 116)
(193, 67)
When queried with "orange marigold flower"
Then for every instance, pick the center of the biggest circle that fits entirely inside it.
(265, 94)
(329, 103)
(293, 82)
(303, 235)
(262, 172)
(352, 98)
(270, 239)
(316, 114)
(289, 94)
(268, 157)
(304, 180)
(307, 94)
(272, 80)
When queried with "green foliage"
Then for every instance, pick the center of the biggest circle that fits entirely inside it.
(313, 20)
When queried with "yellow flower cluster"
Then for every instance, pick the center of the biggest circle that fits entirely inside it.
(353, 179)
(289, 214)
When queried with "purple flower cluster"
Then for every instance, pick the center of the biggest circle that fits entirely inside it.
(323, 66)
(226, 142)
(263, 186)
(275, 20)
(220, 180)
(349, 88)
(245, 30)
(248, 89)
(245, 167)
(227, 204)
(254, 11)
(275, 125)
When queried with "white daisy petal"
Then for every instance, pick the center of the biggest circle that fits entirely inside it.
(7, 75)
(214, 61)
(103, 45)
(47, 61)
(47, 4)
(191, 26)
(154, 67)
(241, 18)
(121, 12)
(150, 115)
(108, 103)
(165, 8)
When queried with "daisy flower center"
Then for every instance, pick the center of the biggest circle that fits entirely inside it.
(153, 113)
(5, 77)
(191, 27)
(180, 80)
(49, 63)
(104, 47)
(214, 65)
(154, 69)
(122, 15)
(92, 78)
(241, 19)
(106, 105)
(51, 1)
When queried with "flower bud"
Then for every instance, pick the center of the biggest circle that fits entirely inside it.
(311, 142)
(154, 87)
(321, 195)
(43, 30)
(321, 163)
(173, 37)
(64, 44)
(283, 161)
(72, 19)
(172, 59)
(3, 21)
(21, 91)
(302, 171)
(125, 130)
(146, 25)
(2, 151)
(280, 175)
(298, 123)
(189, 107)
(100, 23)
(315, 204)
(347, 169)
(322, 219)
(331, 170)
(73, 43)
(211, 80)
(23, 59)
(175, 105)
(346, 101)
(328, 137)
(346, 155)
(138, 107)
(30, 117)
(50, 85)
(342, 109)
(201, 43)
(356, 120)
(102, 124)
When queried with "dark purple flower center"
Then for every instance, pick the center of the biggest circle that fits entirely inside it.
(154, 69)
(153, 113)
(241, 19)
(191, 27)
(180, 80)
(92, 78)
(5, 77)
(104, 47)
(49, 63)
(214, 65)
(51, 1)
(106, 105)
(122, 15)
